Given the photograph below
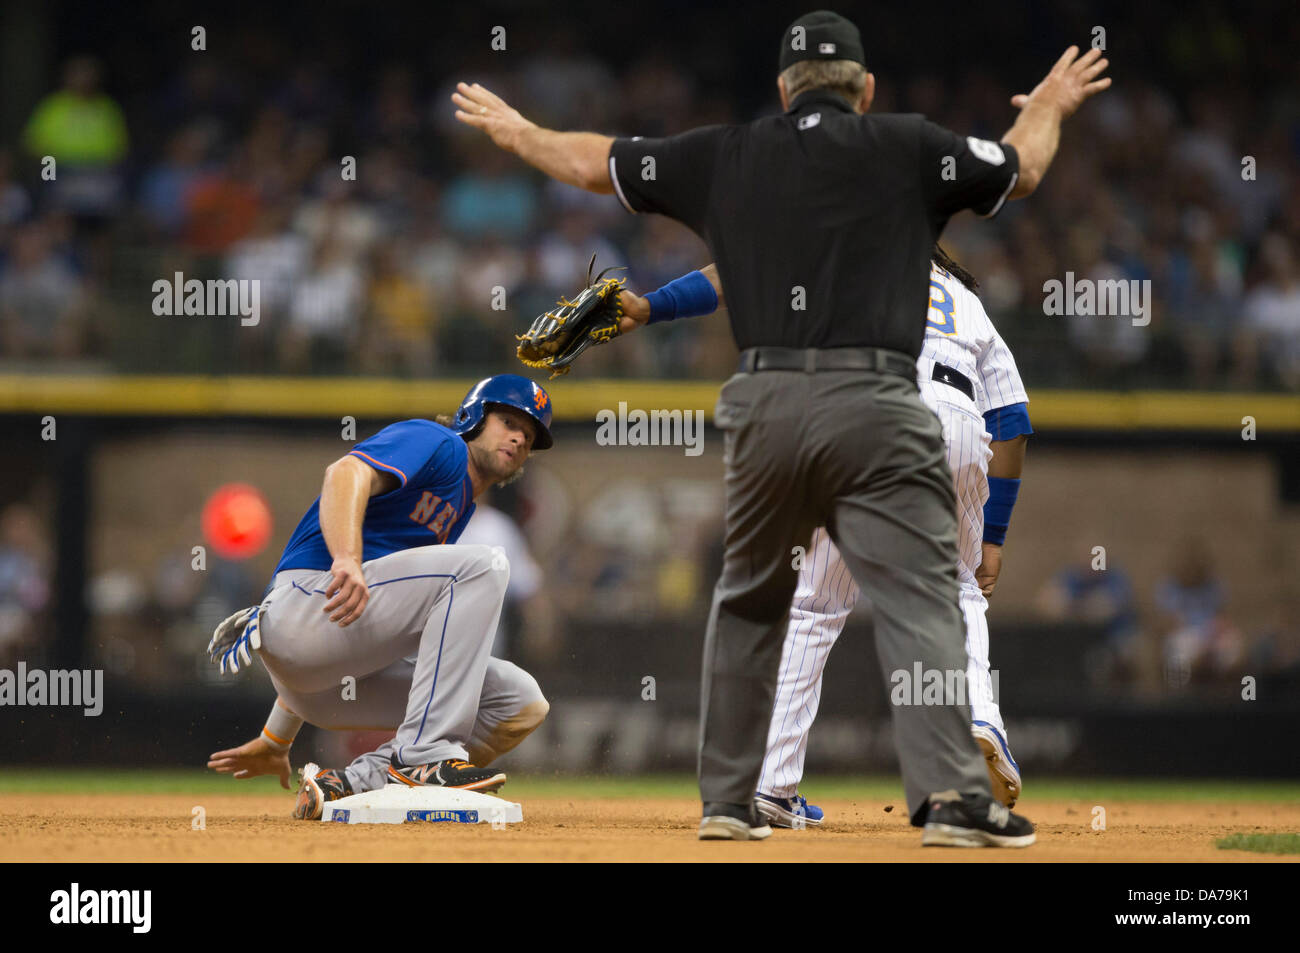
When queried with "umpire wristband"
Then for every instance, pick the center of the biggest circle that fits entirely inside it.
(686, 297)
(997, 511)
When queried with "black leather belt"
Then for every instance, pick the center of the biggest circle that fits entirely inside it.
(953, 378)
(814, 359)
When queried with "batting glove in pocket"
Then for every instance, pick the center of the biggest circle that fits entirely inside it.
(235, 639)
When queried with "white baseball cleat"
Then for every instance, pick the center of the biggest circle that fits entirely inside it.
(1004, 773)
(788, 812)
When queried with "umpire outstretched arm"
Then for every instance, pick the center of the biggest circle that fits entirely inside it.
(575, 158)
(582, 158)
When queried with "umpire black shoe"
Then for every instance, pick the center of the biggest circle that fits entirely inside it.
(452, 773)
(732, 822)
(974, 820)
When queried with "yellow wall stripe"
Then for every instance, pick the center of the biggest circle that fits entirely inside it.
(575, 400)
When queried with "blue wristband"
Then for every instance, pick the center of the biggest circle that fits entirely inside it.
(686, 297)
(997, 511)
(1005, 423)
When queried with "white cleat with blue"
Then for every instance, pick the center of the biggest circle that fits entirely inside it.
(1004, 773)
(794, 813)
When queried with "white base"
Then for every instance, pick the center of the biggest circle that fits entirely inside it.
(400, 804)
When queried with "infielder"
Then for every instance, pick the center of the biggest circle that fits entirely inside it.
(375, 620)
(968, 377)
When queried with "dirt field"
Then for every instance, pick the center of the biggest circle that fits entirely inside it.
(157, 827)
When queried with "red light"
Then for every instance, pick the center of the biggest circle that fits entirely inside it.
(237, 521)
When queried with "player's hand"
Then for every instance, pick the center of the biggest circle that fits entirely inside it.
(990, 566)
(347, 591)
(636, 311)
(251, 760)
(1070, 83)
(484, 109)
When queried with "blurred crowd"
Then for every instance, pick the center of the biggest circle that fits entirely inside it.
(388, 239)
(1178, 636)
(1175, 635)
(26, 565)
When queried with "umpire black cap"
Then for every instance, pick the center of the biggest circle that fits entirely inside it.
(821, 35)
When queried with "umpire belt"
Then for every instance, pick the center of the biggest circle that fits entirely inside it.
(953, 378)
(813, 359)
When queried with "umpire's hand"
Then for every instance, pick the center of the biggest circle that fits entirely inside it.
(484, 109)
(1069, 84)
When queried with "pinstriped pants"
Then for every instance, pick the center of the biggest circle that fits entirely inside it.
(827, 594)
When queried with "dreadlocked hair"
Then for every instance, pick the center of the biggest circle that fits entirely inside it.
(944, 261)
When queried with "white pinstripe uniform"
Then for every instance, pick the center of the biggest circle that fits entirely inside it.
(960, 335)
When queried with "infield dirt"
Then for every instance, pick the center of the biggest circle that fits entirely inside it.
(158, 827)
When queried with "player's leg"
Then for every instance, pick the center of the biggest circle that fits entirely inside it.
(966, 444)
(823, 600)
(765, 519)
(968, 456)
(824, 597)
(338, 678)
(511, 708)
(438, 603)
(376, 702)
(450, 668)
(981, 692)
(894, 523)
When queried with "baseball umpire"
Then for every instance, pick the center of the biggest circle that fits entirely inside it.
(821, 222)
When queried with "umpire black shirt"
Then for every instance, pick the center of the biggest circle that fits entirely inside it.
(821, 221)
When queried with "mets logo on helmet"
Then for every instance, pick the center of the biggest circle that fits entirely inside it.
(540, 399)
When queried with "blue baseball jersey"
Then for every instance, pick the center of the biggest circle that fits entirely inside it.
(432, 505)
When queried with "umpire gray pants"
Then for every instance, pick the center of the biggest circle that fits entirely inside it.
(858, 452)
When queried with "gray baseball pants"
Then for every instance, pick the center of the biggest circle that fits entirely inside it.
(417, 661)
(858, 452)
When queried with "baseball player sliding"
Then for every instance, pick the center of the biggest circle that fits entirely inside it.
(375, 620)
(968, 377)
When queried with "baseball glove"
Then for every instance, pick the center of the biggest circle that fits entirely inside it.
(557, 337)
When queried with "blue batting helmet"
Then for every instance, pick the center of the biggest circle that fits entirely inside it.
(511, 390)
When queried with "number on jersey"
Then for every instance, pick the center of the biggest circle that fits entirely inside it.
(940, 315)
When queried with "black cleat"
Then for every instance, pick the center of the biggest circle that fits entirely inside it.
(974, 820)
(318, 787)
(452, 773)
